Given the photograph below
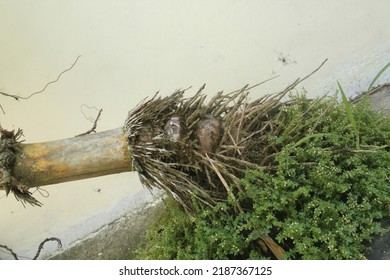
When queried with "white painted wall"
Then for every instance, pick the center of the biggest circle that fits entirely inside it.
(131, 49)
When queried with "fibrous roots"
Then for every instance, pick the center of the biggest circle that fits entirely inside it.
(8, 145)
(197, 149)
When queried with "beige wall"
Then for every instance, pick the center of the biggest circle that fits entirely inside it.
(131, 49)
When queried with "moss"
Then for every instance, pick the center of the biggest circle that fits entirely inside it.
(320, 199)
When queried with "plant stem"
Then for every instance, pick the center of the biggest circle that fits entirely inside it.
(72, 159)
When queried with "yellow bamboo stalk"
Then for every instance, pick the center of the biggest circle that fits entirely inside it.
(76, 158)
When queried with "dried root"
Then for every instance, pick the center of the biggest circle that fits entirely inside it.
(197, 149)
(40, 247)
(8, 145)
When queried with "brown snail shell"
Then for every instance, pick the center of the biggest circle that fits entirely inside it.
(209, 133)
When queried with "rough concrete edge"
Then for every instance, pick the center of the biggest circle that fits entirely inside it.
(142, 204)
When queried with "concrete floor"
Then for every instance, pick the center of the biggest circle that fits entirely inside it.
(119, 239)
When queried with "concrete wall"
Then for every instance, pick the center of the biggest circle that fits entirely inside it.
(131, 49)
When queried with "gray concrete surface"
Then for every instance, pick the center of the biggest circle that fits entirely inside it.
(380, 101)
(117, 240)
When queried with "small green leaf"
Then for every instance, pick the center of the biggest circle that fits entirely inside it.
(317, 135)
(377, 76)
(350, 115)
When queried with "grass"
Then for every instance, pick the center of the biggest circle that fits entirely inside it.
(348, 110)
(347, 105)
